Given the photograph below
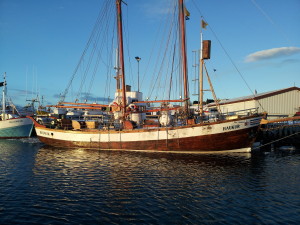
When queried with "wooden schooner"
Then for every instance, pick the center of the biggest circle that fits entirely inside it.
(132, 131)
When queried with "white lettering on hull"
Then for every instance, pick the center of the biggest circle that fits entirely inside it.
(15, 121)
(44, 133)
(234, 127)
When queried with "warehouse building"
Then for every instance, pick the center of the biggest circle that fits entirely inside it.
(277, 104)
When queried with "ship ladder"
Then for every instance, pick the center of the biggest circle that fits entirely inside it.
(178, 142)
(108, 135)
(156, 144)
(167, 138)
(120, 140)
(99, 142)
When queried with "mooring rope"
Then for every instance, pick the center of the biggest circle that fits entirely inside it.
(276, 140)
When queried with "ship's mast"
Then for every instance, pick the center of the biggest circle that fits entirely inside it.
(204, 55)
(200, 101)
(3, 97)
(121, 54)
(183, 54)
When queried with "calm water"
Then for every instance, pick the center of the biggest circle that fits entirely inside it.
(43, 185)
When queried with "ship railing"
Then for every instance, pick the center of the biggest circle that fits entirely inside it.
(243, 112)
(214, 116)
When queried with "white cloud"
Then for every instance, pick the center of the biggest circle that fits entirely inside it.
(158, 8)
(271, 53)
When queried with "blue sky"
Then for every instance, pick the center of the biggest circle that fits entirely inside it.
(253, 40)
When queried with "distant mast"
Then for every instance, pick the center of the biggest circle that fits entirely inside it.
(121, 55)
(3, 97)
(117, 68)
(183, 54)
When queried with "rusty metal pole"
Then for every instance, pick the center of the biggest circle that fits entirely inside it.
(183, 55)
(121, 55)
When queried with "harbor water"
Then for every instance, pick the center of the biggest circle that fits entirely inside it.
(45, 185)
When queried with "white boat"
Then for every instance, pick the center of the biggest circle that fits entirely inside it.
(11, 124)
(130, 130)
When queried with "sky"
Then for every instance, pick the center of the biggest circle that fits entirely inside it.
(255, 45)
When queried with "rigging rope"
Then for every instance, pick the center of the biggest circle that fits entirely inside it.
(171, 78)
(99, 57)
(165, 44)
(93, 37)
(271, 21)
(105, 32)
(227, 54)
(126, 37)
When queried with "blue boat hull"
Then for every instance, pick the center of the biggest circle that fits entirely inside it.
(22, 129)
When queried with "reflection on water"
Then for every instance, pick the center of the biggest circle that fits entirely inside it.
(62, 186)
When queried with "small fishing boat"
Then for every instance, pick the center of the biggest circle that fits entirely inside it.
(12, 125)
(129, 129)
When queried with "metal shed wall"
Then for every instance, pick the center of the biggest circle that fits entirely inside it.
(279, 103)
(284, 104)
